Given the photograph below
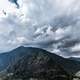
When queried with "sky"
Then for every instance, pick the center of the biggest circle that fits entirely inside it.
(53, 25)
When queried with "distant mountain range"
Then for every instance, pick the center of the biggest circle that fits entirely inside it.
(29, 62)
(74, 58)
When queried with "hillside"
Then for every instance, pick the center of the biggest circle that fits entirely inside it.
(30, 63)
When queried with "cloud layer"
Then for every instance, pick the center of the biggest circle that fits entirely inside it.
(53, 25)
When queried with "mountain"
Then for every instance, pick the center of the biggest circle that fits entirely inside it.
(37, 65)
(12, 57)
(29, 62)
(74, 58)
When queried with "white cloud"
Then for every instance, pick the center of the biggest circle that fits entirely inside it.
(49, 24)
(76, 48)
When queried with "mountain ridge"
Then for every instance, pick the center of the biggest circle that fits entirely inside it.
(29, 61)
(13, 56)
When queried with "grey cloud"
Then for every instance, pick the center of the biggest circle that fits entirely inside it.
(46, 24)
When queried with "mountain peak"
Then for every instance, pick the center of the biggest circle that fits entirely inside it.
(38, 64)
(31, 62)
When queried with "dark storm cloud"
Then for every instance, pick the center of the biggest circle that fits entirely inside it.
(15, 2)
